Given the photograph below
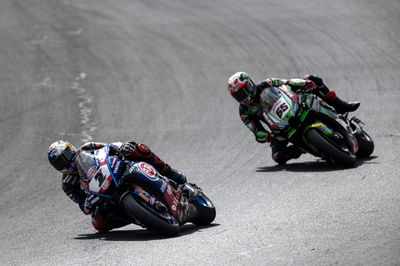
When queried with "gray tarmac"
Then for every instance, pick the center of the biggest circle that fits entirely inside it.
(156, 72)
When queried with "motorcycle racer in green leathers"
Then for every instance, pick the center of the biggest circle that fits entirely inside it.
(247, 93)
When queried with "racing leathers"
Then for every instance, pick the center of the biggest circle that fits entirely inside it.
(108, 216)
(252, 114)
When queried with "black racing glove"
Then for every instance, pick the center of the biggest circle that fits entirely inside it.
(317, 80)
(126, 148)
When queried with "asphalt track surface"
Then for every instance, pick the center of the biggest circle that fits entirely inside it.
(155, 72)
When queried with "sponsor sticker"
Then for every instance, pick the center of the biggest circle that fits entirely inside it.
(84, 184)
(152, 201)
(163, 187)
(148, 170)
(90, 172)
(143, 196)
(149, 199)
(116, 167)
(102, 162)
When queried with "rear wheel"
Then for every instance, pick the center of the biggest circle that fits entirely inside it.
(366, 145)
(327, 147)
(206, 210)
(163, 223)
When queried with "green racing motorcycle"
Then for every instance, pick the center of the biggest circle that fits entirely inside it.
(308, 122)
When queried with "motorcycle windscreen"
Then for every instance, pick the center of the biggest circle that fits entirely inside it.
(269, 97)
(278, 106)
(87, 164)
(93, 168)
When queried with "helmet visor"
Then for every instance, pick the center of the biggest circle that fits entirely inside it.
(62, 161)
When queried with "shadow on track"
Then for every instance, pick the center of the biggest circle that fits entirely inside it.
(140, 234)
(314, 166)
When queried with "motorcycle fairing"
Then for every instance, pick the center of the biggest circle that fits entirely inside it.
(101, 172)
(283, 109)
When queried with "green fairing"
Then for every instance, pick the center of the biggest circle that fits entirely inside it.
(327, 112)
(273, 116)
(321, 126)
(304, 115)
(253, 110)
(289, 114)
(291, 132)
(314, 105)
(284, 120)
(309, 99)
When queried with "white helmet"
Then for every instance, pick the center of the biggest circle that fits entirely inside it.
(61, 156)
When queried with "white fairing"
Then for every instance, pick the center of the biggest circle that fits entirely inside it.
(93, 166)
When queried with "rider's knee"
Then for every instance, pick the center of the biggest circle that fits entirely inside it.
(279, 157)
(101, 224)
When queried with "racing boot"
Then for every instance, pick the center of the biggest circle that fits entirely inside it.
(175, 175)
(341, 107)
(290, 152)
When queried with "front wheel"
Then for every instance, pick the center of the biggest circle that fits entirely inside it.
(329, 149)
(163, 223)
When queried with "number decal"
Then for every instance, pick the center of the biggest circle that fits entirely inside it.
(99, 177)
(281, 108)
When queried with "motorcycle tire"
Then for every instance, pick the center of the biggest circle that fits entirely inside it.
(150, 218)
(366, 145)
(206, 210)
(330, 149)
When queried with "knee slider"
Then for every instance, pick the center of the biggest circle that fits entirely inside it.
(101, 224)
